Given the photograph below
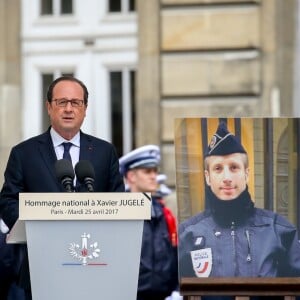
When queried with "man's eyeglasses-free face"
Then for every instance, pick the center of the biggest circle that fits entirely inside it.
(64, 102)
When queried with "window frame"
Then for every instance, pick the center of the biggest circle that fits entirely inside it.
(128, 140)
(56, 9)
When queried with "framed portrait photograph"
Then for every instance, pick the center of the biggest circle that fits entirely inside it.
(238, 194)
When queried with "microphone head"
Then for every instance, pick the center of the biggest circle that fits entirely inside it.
(64, 169)
(84, 169)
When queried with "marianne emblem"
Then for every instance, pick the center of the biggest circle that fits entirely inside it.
(202, 262)
(213, 142)
(85, 251)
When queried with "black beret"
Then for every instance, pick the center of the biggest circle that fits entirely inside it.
(224, 142)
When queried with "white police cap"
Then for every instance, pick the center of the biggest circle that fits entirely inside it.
(147, 156)
(161, 178)
(163, 190)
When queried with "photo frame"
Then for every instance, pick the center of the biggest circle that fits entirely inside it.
(272, 146)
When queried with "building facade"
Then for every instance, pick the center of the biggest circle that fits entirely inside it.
(206, 58)
(147, 63)
(95, 41)
(10, 79)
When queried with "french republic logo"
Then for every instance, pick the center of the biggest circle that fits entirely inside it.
(86, 254)
(202, 262)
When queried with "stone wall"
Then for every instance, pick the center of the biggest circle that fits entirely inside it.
(225, 58)
(10, 79)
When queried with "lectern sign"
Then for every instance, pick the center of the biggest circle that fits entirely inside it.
(84, 206)
(91, 242)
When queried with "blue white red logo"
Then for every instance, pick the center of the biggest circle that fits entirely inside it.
(202, 262)
(86, 254)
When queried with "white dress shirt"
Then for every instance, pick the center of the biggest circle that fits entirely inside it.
(59, 148)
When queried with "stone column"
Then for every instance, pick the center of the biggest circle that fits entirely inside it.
(148, 76)
(10, 79)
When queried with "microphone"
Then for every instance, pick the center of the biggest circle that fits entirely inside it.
(85, 174)
(65, 174)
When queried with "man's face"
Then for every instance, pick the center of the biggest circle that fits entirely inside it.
(142, 180)
(227, 175)
(66, 120)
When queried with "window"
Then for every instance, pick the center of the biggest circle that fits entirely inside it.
(66, 7)
(56, 7)
(122, 87)
(124, 6)
(46, 7)
(47, 78)
(132, 5)
(114, 6)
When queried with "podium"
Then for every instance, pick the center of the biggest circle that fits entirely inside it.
(82, 245)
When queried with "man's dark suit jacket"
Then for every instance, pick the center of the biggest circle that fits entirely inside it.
(30, 168)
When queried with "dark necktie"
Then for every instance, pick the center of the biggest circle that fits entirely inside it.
(66, 154)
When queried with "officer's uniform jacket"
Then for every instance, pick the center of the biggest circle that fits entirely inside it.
(158, 265)
(264, 245)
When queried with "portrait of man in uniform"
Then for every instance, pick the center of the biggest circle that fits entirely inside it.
(237, 191)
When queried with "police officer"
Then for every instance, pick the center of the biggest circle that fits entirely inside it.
(158, 275)
(160, 194)
(232, 237)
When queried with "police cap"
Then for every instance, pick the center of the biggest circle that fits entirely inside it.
(224, 142)
(147, 156)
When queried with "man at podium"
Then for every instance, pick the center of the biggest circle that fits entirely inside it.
(158, 274)
(31, 164)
